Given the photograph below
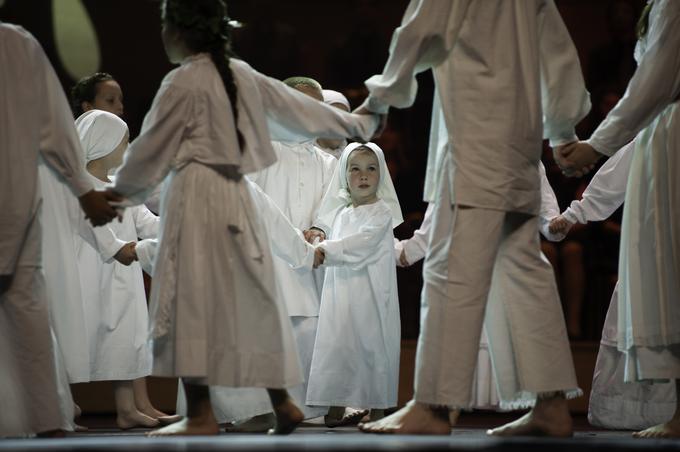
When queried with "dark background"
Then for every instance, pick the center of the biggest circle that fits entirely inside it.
(341, 43)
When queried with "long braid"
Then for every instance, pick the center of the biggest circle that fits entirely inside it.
(206, 28)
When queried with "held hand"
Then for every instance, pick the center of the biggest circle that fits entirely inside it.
(319, 257)
(97, 208)
(576, 159)
(559, 225)
(403, 262)
(127, 254)
(313, 235)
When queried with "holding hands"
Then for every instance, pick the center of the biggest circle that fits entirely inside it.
(128, 253)
(314, 235)
(559, 225)
(319, 257)
(97, 206)
(576, 159)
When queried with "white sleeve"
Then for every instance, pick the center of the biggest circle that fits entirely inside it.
(287, 242)
(146, 223)
(416, 247)
(59, 143)
(146, 252)
(149, 157)
(549, 207)
(564, 96)
(606, 191)
(428, 32)
(655, 84)
(295, 117)
(360, 249)
(103, 239)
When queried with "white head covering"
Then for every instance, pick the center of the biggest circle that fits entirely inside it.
(100, 132)
(338, 195)
(335, 97)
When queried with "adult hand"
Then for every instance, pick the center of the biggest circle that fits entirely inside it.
(576, 159)
(559, 225)
(96, 206)
(319, 256)
(403, 262)
(127, 254)
(313, 235)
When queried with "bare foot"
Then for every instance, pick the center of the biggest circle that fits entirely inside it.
(257, 424)
(79, 428)
(453, 417)
(414, 418)
(188, 427)
(349, 416)
(163, 418)
(550, 417)
(135, 419)
(670, 429)
(288, 417)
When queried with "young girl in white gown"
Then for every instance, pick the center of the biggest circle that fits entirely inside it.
(356, 354)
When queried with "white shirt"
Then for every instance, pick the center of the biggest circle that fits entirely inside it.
(507, 74)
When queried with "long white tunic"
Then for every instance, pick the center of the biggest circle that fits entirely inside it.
(649, 262)
(116, 314)
(356, 354)
(296, 183)
(505, 75)
(36, 122)
(214, 291)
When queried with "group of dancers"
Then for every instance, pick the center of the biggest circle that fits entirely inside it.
(269, 238)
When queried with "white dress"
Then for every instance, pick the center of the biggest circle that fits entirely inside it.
(614, 403)
(649, 262)
(356, 354)
(116, 315)
(214, 290)
(36, 122)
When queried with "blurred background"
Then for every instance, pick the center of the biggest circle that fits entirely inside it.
(341, 43)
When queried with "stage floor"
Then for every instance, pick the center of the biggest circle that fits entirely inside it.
(470, 436)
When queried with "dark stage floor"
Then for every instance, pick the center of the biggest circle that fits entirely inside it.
(470, 436)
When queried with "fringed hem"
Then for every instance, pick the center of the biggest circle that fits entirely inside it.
(526, 399)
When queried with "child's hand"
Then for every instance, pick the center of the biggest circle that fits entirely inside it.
(319, 257)
(127, 254)
(403, 262)
(559, 225)
(314, 234)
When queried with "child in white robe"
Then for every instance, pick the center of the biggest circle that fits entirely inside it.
(215, 320)
(356, 354)
(614, 403)
(111, 282)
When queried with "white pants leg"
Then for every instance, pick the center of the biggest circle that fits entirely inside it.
(28, 381)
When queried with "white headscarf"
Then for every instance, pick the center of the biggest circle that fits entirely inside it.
(100, 133)
(335, 97)
(338, 195)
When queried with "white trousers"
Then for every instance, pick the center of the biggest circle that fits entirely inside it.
(482, 261)
(28, 381)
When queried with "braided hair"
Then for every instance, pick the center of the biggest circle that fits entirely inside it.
(86, 90)
(205, 27)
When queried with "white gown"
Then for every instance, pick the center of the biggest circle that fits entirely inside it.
(649, 262)
(614, 403)
(116, 314)
(356, 354)
(214, 290)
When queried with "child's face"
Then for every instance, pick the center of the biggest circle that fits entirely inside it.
(363, 176)
(109, 98)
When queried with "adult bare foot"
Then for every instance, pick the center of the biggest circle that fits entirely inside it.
(288, 417)
(549, 417)
(346, 416)
(415, 418)
(257, 424)
(670, 429)
(188, 427)
(163, 418)
(135, 419)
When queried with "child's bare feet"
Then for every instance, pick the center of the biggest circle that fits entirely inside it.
(670, 429)
(288, 417)
(188, 427)
(257, 424)
(342, 416)
(550, 417)
(134, 419)
(414, 418)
